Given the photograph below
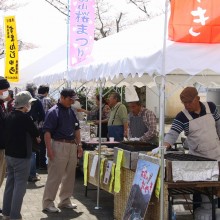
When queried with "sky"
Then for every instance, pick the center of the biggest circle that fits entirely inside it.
(39, 23)
(43, 25)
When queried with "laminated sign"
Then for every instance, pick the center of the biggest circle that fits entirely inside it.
(195, 21)
(11, 50)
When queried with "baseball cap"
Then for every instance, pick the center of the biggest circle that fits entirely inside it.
(188, 94)
(22, 99)
(69, 93)
(4, 84)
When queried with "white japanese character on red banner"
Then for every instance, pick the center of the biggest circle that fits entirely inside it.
(201, 20)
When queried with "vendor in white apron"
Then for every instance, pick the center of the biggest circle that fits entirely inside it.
(201, 124)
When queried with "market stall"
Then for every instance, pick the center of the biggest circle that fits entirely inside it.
(142, 58)
(202, 178)
(119, 183)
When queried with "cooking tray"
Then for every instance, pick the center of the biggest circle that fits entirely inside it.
(136, 146)
(185, 157)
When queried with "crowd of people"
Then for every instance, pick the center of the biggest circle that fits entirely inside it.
(30, 124)
(38, 133)
(46, 135)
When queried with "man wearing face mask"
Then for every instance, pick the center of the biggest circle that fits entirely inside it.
(20, 132)
(4, 85)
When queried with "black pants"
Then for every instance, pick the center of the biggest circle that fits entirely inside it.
(197, 199)
(104, 131)
(42, 152)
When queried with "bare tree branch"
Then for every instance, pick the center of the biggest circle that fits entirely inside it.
(59, 5)
(118, 22)
(141, 5)
(6, 5)
(104, 25)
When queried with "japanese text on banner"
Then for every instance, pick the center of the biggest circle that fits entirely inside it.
(82, 19)
(201, 23)
(11, 50)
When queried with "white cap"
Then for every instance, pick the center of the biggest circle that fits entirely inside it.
(131, 94)
(22, 99)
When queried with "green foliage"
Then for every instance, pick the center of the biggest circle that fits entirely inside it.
(82, 98)
(107, 91)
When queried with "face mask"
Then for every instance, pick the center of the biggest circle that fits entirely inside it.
(4, 95)
(28, 108)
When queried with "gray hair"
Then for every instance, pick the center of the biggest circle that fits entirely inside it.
(116, 96)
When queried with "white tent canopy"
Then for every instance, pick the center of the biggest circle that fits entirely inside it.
(136, 52)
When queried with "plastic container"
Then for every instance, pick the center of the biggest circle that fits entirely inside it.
(173, 214)
(206, 214)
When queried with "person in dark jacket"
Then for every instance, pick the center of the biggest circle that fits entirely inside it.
(4, 85)
(37, 114)
(20, 130)
(43, 91)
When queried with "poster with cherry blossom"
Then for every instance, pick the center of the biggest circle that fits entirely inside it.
(141, 190)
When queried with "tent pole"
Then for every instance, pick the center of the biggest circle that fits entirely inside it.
(99, 154)
(68, 36)
(162, 112)
(86, 99)
(161, 140)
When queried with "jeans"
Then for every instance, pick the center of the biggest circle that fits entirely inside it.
(17, 174)
(33, 170)
(2, 166)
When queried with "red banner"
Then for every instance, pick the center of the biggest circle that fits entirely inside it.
(195, 21)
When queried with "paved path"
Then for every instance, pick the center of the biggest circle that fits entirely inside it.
(32, 209)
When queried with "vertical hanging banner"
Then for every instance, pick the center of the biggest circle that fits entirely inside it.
(82, 18)
(11, 50)
(195, 21)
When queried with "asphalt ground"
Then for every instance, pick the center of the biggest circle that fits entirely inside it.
(88, 207)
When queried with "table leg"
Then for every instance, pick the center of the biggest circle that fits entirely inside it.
(86, 189)
(213, 205)
(170, 203)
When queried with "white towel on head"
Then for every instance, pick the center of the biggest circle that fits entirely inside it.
(131, 94)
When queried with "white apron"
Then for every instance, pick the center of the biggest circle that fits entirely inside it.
(203, 139)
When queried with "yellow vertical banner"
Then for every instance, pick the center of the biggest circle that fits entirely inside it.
(158, 186)
(117, 186)
(11, 50)
(85, 166)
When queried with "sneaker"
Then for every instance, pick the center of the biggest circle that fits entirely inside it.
(51, 209)
(5, 217)
(68, 206)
